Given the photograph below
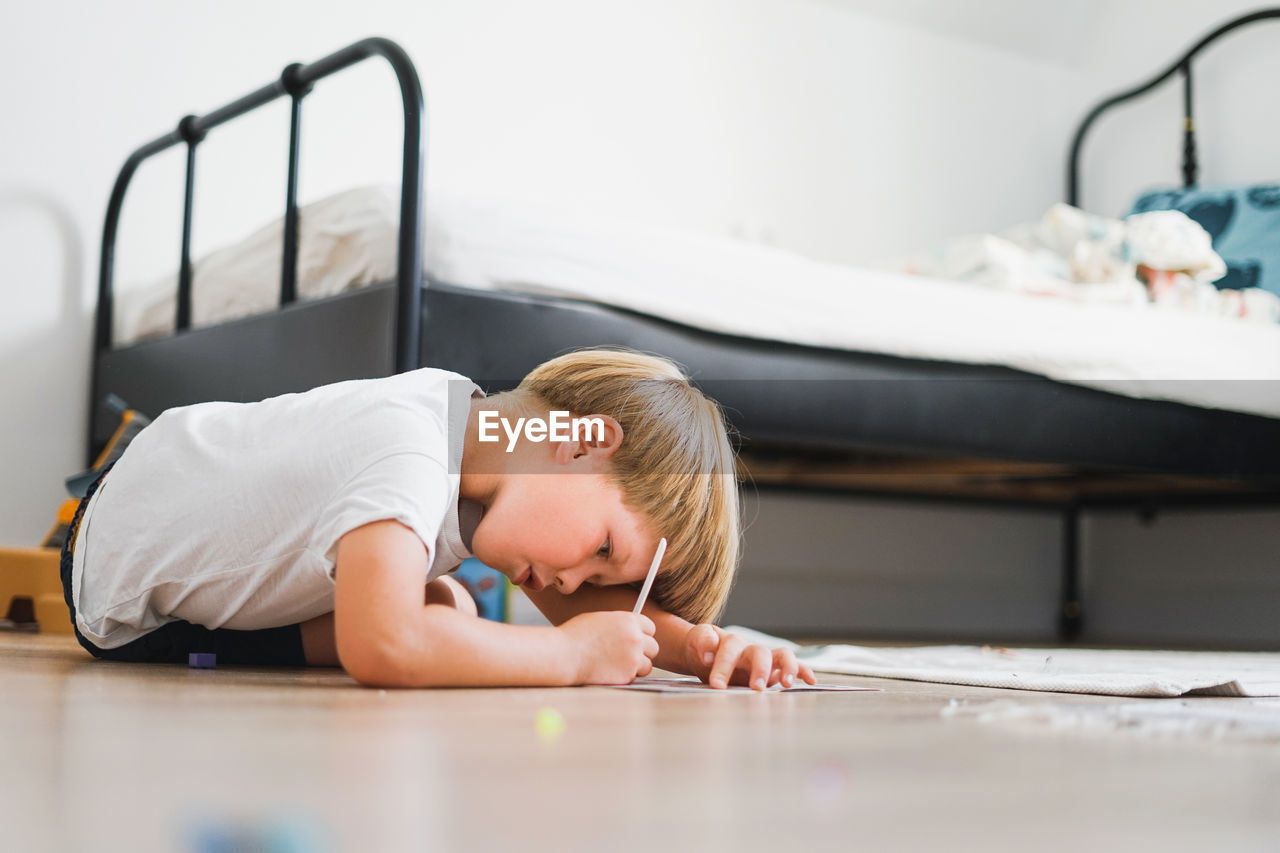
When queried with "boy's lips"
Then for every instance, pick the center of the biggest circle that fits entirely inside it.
(529, 580)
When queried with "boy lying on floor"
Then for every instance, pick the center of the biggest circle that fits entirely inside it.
(303, 529)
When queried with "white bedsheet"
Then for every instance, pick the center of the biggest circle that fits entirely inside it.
(740, 288)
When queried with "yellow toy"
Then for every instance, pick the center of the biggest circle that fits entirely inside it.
(30, 585)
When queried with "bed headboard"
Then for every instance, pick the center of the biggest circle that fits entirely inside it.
(1183, 65)
(295, 82)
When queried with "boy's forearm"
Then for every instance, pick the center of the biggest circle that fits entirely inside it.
(671, 629)
(446, 648)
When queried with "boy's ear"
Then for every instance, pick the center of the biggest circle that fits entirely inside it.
(597, 436)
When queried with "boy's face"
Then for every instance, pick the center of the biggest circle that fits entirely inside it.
(562, 530)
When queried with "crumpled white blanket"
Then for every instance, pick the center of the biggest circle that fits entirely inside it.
(1161, 257)
(1102, 671)
(345, 241)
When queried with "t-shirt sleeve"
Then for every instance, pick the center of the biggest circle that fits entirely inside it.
(411, 488)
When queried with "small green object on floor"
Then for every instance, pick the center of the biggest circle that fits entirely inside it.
(549, 724)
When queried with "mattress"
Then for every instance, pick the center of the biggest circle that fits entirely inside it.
(729, 286)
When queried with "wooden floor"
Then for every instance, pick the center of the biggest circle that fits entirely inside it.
(114, 757)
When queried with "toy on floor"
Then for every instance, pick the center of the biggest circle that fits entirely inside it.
(30, 586)
(131, 423)
(31, 591)
(202, 660)
(21, 616)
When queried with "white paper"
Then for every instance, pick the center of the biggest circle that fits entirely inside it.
(655, 684)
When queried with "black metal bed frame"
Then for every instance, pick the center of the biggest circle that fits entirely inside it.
(1190, 167)
(578, 324)
(296, 81)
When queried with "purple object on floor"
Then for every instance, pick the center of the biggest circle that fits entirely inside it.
(202, 660)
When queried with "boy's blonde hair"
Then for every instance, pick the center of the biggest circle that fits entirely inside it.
(675, 464)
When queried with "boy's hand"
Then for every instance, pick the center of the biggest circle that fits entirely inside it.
(720, 659)
(613, 646)
(447, 591)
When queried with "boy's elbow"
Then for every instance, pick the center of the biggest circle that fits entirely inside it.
(375, 660)
(371, 669)
(391, 658)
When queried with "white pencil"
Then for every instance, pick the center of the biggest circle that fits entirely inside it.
(653, 572)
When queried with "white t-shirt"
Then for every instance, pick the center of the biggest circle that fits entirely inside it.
(228, 515)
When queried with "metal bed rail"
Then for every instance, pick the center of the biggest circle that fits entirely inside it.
(1190, 166)
(295, 81)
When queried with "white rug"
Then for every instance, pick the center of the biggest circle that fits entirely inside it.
(1105, 672)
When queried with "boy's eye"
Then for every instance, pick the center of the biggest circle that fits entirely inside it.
(607, 548)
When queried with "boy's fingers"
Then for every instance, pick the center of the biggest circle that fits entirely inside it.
(726, 660)
(761, 663)
(702, 644)
(807, 674)
(785, 661)
(650, 648)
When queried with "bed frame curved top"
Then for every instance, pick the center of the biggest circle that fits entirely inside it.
(1182, 64)
(294, 82)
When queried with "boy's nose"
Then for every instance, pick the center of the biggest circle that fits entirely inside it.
(567, 581)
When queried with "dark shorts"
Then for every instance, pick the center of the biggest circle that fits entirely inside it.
(174, 641)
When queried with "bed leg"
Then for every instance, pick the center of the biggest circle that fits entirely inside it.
(1071, 616)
